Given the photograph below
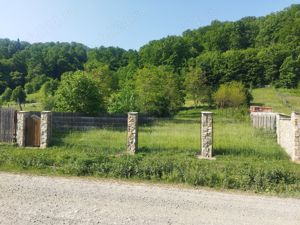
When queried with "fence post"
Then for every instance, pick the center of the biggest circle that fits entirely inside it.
(295, 120)
(21, 122)
(46, 129)
(132, 132)
(206, 135)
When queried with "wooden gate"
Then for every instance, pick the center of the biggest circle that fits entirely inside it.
(8, 124)
(33, 131)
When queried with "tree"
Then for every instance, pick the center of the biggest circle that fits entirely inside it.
(124, 100)
(3, 86)
(29, 88)
(158, 91)
(196, 86)
(78, 92)
(17, 79)
(49, 87)
(105, 80)
(271, 59)
(232, 94)
(289, 73)
(172, 51)
(48, 90)
(6, 96)
(19, 96)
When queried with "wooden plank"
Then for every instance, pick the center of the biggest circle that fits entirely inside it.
(37, 132)
(7, 124)
(33, 131)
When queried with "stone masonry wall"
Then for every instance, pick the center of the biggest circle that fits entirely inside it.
(206, 134)
(21, 119)
(46, 129)
(285, 133)
(287, 130)
(132, 130)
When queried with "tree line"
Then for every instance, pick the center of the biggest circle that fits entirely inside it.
(251, 52)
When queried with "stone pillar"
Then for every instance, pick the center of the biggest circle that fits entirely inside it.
(132, 132)
(206, 135)
(295, 120)
(21, 122)
(46, 129)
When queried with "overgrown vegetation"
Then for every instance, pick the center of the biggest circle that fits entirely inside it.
(232, 94)
(247, 159)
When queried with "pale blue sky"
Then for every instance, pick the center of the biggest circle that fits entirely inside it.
(123, 23)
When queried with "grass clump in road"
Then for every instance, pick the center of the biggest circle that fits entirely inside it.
(247, 159)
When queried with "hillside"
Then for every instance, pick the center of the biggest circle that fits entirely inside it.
(281, 100)
(256, 51)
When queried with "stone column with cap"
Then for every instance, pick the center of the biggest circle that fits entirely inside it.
(206, 135)
(132, 132)
(21, 126)
(46, 129)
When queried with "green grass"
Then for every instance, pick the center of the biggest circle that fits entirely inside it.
(281, 100)
(269, 97)
(33, 103)
(246, 158)
(290, 98)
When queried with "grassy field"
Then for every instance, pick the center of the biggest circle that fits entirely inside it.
(281, 100)
(246, 159)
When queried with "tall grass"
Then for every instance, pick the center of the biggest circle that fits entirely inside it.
(269, 97)
(246, 158)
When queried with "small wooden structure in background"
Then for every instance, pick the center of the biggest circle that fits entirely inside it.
(255, 108)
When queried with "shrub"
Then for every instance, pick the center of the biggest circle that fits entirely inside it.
(158, 91)
(123, 101)
(232, 94)
(78, 92)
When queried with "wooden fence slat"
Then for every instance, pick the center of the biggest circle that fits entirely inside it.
(7, 125)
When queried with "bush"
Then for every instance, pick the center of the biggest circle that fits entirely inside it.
(123, 101)
(232, 94)
(78, 92)
(158, 91)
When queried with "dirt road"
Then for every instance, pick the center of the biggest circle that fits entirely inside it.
(46, 200)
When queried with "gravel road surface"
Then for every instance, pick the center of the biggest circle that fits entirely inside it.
(28, 199)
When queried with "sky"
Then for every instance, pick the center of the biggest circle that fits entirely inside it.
(128, 24)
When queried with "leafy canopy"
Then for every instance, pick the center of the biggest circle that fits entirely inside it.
(78, 92)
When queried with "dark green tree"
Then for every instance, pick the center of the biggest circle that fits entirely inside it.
(19, 96)
(158, 91)
(78, 92)
(6, 96)
(196, 86)
(289, 73)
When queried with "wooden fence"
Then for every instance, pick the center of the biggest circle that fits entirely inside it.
(8, 122)
(264, 120)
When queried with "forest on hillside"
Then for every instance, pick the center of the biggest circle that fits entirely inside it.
(252, 51)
